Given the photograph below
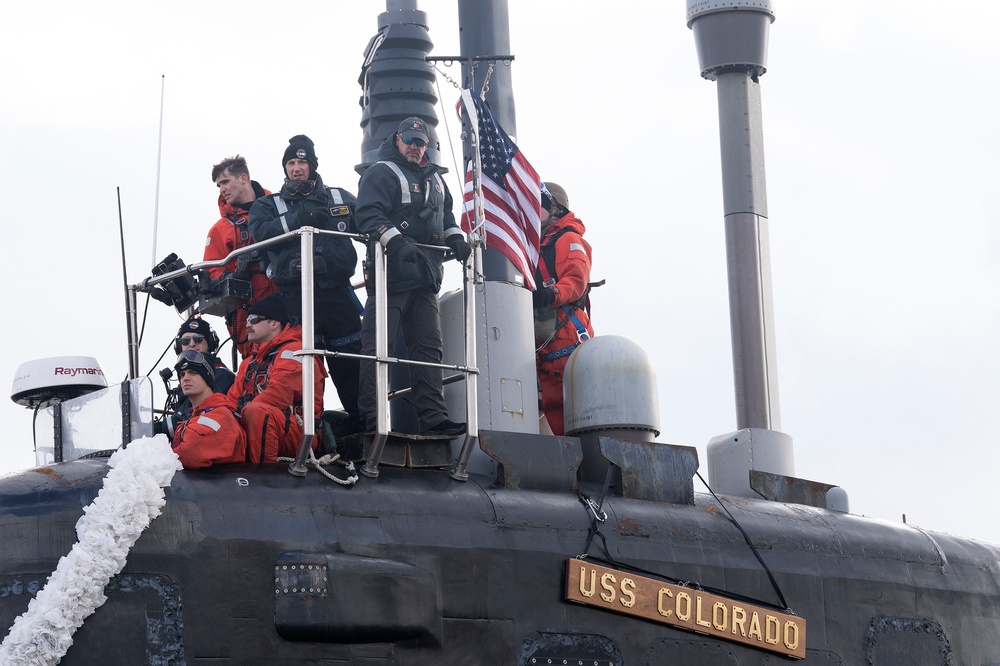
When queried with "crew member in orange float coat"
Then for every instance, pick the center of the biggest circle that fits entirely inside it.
(268, 389)
(236, 194)
(562, 321)
(212, 434)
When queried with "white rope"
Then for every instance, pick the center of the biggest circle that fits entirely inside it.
(329, 459)
(131, 497)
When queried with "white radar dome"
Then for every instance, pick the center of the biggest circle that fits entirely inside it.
(609, 383)
(46, 381)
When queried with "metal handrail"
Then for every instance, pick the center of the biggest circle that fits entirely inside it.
(382, 359)
(472, 271)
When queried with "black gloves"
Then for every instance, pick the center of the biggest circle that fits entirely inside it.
(460, 246)
(401, 246)
(408, 252)
(318, 218)
(543, 297)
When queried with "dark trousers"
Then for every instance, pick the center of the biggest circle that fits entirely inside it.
(336, 320)
(416, 312)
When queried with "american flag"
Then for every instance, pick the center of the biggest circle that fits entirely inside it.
(511, 193)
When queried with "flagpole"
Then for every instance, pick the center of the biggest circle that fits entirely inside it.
(477, 186)
(459, 471)
(479, 216)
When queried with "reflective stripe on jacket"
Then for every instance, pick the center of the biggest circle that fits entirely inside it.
(212, 435)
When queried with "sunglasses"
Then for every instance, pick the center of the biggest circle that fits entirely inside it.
(192, 339)
(420, 142)
(255, 319)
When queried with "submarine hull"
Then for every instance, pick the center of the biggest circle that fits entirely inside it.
(248, 564)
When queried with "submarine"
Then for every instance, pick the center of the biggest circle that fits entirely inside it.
(586, 549)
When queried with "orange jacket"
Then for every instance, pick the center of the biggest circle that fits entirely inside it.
(273, 375)
(229, 233)
(563, 241)
(211, 435)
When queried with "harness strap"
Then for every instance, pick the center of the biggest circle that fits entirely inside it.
(357, 301)
(581, 334)
(546, 276)
(559, 353)
(344, 341)
(255, 368)
(240, 223)
(404, 184)
(282, 207)
(246, 264)
(440, 185)
(327, 343)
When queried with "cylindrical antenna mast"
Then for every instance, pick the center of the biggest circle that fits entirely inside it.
(731, 38)
(159, 153)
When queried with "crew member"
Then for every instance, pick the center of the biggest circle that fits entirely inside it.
(197, 335)
(304, 201)
(561, 305)
(268, 389)
(403, 200)
(236, 194)
(212, 434)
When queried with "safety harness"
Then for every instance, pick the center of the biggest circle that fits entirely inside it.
(404, 183)
(246, 264)
(320, 341)
(547, 272)
(258, 373)
(347, 339)
(257, 377)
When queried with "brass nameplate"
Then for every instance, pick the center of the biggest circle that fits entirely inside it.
(685, 608)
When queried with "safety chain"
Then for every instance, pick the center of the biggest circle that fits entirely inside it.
(450, 80)
(486, 82)
(474, 66)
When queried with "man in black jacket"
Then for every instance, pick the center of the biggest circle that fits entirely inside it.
(403, 200)
(304, 201)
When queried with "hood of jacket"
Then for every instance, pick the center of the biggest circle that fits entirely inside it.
(569, 222)
(225, 209)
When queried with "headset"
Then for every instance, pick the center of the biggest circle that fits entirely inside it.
(210, 337)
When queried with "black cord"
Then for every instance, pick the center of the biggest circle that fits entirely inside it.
(595, 528)
(767, 570)
(34, 430)
(142, 329)
(157, 362)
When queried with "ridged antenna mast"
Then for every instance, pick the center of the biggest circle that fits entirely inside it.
(396, 79)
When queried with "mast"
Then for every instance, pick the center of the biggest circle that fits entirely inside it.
(484, 31)
(731, 38)
(396, 79)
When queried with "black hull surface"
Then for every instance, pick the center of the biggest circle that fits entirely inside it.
(252, 565)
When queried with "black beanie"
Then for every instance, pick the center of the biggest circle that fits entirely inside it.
(272, 307)
(300, 146)
(198, 326)
(192, 360)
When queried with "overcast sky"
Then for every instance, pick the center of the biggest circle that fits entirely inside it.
(881, 145)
